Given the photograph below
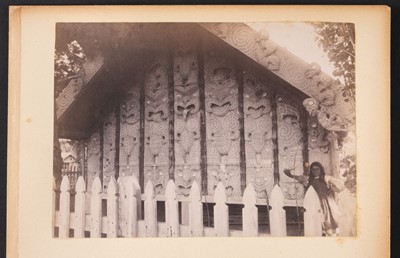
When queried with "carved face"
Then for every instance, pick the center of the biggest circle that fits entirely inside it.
(185, 68)
(155, 143)
(130, 109)
(221, 75)
(311, 106)
(186, 106)
(220, 107)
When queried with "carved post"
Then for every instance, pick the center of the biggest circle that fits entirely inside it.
(334, 157)
(239, 75)
(275, 138)
(117, 139)
(171, 111)
(304, 132)
(203, 133)
(141, 130)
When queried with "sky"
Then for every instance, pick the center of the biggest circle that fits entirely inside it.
(298, 38)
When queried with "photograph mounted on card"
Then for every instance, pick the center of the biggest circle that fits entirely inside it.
(163, 126)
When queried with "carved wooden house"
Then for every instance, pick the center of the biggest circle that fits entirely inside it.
(204, 102)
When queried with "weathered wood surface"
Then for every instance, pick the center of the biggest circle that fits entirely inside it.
(221, 218)
(95, 209)
(277, 215)
(112, 208)
(150, 210)
(312, 216)
(250, 212)
(64, 208)
(195, 211)
(171, 211)
(80, 204)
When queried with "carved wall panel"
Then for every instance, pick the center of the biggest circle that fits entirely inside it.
(187, 119)
(290, 148)
(222, 124)
(156, 159)
(129, 133)
(318, 145)
(109, 148)
(258, 136)
(93, 159)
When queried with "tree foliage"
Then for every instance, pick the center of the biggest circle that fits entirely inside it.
(68, 63)
(338, 41)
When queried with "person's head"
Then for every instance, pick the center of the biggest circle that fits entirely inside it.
(317, 170)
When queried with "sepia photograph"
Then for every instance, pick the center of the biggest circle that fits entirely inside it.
(198, 131)
(232, 129)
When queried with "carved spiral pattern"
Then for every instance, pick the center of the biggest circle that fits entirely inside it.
(65, 99)
(242, 37)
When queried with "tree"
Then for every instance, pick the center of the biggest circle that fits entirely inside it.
(338, 41)
(68, 63)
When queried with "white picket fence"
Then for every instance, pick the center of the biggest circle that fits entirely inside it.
(123, 214)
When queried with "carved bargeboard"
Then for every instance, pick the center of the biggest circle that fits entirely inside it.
(156, 157)
(129, 133)
(222, 125)
(187, 119)
(290, 148)
(258, 136)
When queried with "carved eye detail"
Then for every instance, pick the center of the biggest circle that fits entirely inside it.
(178, 134)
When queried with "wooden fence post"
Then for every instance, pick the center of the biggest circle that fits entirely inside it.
(54, 205)
(64, 208)
(277, 215)
(95, 209)
(112, 208)
(312, 216)
(250, 212)
(138, 195)
(221, 218)
(195, 211)
(131, 209)
(150, 211)
(171, 211)
(80, 205)
(122, 223)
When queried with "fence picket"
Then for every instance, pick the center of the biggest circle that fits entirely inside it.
(138, 195)
(95, 209)
(122, 225)
(64, 208)
(54, 204)
(277, 215)
(171, 211)
(221, 218)
(80, 205)
(312, 216)
(131, 209)
(250, 212)
(112, 208)
(150, 210)
(195, 211)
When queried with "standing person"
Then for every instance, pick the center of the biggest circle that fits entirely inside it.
(325, 186)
